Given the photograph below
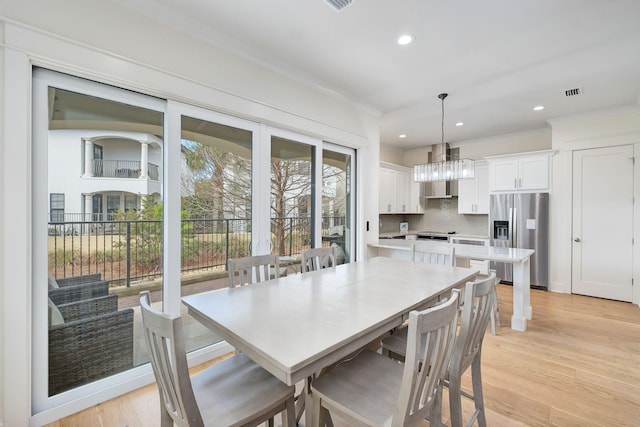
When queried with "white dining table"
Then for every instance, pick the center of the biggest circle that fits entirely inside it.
(296, 325)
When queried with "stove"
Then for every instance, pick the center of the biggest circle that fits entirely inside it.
(434, 235)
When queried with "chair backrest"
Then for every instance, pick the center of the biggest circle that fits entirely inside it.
(433, 253)
(253, 269)
(477, 304)
(165, 343)
(430, 340)
(317, 259)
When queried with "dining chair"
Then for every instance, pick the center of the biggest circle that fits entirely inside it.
(483, 267)
(253, 269)
(371, 389)
(234, 392)
(430, 253)
(317, 259)
(477, 305)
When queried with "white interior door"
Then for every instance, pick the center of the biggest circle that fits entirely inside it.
(602, 263)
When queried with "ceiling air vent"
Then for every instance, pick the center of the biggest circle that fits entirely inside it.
(339, 4)
(573, 92)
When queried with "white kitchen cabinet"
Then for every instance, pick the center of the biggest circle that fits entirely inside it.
(416, 196)
(398, 193)
(473, 194)
(387, 196)
(520, 172)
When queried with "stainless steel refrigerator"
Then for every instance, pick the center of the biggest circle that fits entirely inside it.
(521, 221)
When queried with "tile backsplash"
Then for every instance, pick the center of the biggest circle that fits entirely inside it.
(440, 215)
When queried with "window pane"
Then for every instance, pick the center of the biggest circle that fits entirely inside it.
(130, 203)
(216, 210)
(336, 202)
(100, 157)
(291, 196)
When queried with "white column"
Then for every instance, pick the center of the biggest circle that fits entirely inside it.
(88, 207)
(88, 158)
(144, 159)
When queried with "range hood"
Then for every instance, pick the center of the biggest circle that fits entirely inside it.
(441, 189)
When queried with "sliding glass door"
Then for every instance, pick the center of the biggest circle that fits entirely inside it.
(338, 204)
(97, 230)
(216, 158)
(133, 193)
(291, 195)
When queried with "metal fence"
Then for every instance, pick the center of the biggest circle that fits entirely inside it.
(131, 250)
(123, 169)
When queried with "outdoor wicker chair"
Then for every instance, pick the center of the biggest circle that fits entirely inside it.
(94, 341)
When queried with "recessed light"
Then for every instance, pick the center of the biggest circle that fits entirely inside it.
(538, 108)
(402, 136)
(459, 124)
(405, 39)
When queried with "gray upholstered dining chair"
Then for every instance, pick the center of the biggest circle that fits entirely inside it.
(317, 258)
(433, 253)
(371, 389)
(253, 269)
(234, 392)
(477, 306)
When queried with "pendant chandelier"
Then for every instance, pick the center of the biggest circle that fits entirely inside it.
(444, 169)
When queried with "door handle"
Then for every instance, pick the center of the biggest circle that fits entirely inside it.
(577, 240)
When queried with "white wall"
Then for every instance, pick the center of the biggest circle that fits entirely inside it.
(2, 224)
(534, 140)
(105, 42)
(620, 126)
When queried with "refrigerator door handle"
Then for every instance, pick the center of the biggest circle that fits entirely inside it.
(514, 228)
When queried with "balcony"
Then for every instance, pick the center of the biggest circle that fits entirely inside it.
(123, 169)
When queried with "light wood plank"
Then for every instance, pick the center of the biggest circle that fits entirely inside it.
(578, 364)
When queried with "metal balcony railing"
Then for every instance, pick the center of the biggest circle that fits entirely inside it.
(131, 250)
(123, 169)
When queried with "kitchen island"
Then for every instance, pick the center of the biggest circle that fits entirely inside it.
(520, 258)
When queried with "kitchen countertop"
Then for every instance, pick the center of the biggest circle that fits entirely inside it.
(519, 258)
(399, 235)
(491, 253)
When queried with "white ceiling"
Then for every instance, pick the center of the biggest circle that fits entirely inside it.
(497, 59)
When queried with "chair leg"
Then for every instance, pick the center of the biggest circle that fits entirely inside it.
(319, 413)
(478, 398)
(455, 400)
(496, 308)
(435, 414)
(165, 418)
(289, 414)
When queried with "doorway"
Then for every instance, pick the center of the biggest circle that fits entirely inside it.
(602, 253)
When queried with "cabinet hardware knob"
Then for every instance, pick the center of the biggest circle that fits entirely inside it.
(577, 240)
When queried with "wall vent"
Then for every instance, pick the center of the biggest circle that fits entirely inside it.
(339, 4)
(573, 92)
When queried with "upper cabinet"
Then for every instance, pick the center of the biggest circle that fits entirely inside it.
(473, 194)
(524, 172)
(399, 194)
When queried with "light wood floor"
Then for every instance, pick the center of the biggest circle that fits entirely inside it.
(578, 364)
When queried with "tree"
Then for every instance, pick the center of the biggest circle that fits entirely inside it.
(216, 184)
(290, 190)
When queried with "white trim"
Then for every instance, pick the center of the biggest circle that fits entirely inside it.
(17, 240)
(599, 142)
(172, 230)
(110, 68)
